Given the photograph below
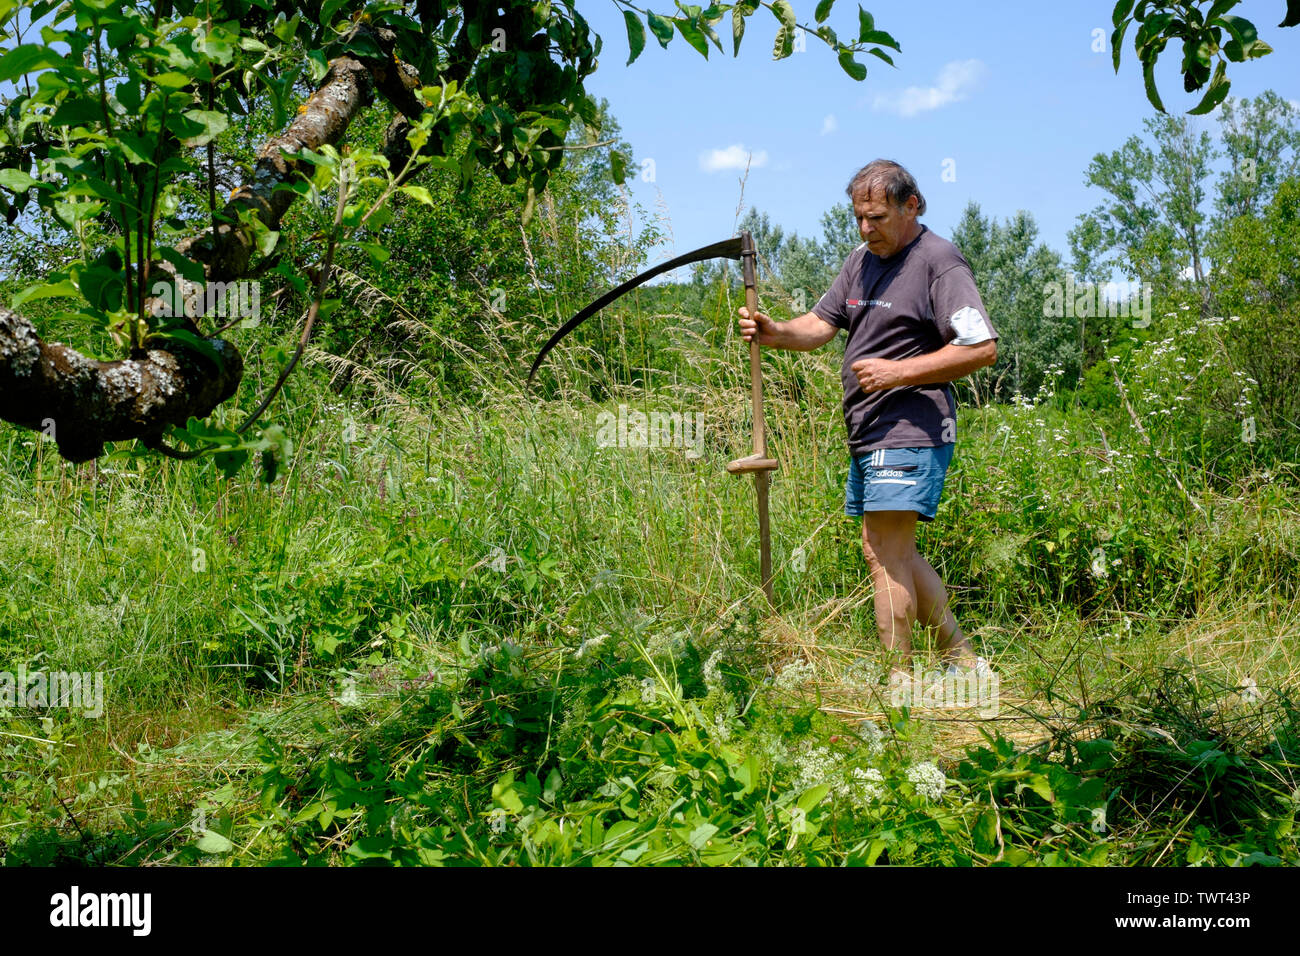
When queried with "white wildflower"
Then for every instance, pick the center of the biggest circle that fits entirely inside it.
(1098, 566)
(874, 737)
(720, 729)
(713, 676)
(870, 784)
(795, 674)
(820, 765)
(665, 644)
(815, 766)
(648, 690)
(589, 644)
(928, 780)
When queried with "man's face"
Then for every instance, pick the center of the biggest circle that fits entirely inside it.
(886, 229)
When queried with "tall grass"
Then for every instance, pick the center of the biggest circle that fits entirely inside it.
(465, 589)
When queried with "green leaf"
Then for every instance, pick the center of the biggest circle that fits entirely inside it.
(378, 254)
(782, 10)
(693, 35)
(186, 266)
(230, 461)
(812, 797)
(46, 290)
(418, 193)
(618, 166)
(1219, 7)
(635, 35)
(171, 80)
(77, 111)
(783, 45)
(24, 59)
(873, 852)
(1245, 43)
(17, 180)
(1215, 94)
(851, 66)
(363, 46)
(200, 345)
(97, 187)
(701, 835)
(213, 842)
(266, 240)
(317, 65)
(711, 33)
(1150, 38)
(984, 833)
(823, 10)
(138, 149)
(876, 51)
(211, 124)
(737, 29)
(1117, 42)
(662, 28)
(1149, 79)
(866, 25)
(1038, 783)
(881, 37)
(1121, 12)
(285, 29)
(504, 795)
(102, 285)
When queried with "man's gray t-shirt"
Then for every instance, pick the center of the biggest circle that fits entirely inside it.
(915, 302)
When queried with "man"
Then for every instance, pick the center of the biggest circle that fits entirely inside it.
(915, 322)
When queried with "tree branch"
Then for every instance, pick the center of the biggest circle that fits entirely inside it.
(87, 402)
(91, 402)
(324, 118)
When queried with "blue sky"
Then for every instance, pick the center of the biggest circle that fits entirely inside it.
(1010, 91)
(1009, 94)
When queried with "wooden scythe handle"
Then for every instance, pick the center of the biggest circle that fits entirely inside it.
(758, 462)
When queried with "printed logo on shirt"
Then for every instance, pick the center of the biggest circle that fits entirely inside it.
(855, 303)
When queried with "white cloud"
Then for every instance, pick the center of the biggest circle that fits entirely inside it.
(830, 124)
(955, 82)
(734, 157)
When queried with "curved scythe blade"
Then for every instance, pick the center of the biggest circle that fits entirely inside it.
(727, 248)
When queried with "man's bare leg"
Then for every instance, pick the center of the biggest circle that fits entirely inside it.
(934, 613)
(889, 545)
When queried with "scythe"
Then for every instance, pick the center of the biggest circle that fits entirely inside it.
(738, 247)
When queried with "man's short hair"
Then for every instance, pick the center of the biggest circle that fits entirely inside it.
(896, 181)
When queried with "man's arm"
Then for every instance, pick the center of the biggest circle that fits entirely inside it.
(803, 334)
(942, 365)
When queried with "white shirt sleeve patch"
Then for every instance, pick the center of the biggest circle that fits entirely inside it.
(969, 326)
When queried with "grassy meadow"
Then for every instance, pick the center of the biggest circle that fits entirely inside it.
(459, 628)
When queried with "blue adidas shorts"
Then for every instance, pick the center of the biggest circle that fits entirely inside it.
(897, 479)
